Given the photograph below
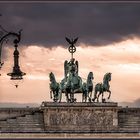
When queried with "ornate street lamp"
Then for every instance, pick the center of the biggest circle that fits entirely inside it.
(16, 74)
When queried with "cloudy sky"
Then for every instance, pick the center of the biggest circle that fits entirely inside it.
(109, 41)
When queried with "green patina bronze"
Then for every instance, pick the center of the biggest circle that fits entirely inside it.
(72, 83)
(100, 88)
(54, 86)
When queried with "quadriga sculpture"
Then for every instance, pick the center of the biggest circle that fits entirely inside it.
(72, 83)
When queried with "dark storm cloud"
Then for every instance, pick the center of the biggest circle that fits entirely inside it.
(94, 23)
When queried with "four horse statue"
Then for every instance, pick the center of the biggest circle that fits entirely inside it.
(72, 83)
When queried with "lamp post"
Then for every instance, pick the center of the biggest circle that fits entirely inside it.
(16, 74)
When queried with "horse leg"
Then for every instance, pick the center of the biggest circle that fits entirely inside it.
(89, 97)
(67, 97)
(94, 96)
(109, 94)
(102, 96)
(51, 94)
(98, 97)
(54, 96)
(70, 97)
(83, 97)
(103, 100)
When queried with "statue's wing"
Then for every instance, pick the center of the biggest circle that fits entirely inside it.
(75, 40)
(66, 67)
(77, 64)
(68, 40)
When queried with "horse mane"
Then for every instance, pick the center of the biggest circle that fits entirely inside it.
(106, 76)
(52, 75)
(90, 73)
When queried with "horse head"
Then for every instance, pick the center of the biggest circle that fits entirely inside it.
(90, 76)
(107, 77)
(89, 79)
(52, 77)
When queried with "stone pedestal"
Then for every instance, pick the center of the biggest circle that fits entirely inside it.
(80, 117)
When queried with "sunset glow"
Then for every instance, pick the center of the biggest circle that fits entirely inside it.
(108, 41)
(121, 59)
